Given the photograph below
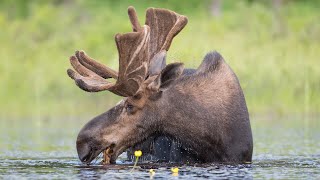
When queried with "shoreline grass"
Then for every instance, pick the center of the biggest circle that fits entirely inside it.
(275, 55)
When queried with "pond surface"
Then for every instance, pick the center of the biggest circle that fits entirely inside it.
(284, 148)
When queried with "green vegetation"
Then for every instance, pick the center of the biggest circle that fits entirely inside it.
(274, 53)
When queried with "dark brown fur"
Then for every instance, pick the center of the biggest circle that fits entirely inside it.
(205, 111)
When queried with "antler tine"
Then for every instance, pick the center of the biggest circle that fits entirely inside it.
(85, 78)
(164, 26)
(134, 19)
(95, 66)
(178, 26)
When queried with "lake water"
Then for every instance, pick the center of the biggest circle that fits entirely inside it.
(284, 148)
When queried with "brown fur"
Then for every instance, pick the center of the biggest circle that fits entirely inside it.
(205, 111)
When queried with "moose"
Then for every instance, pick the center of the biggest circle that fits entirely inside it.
(187, 115)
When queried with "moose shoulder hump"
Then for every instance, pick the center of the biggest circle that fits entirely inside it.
(210, 62)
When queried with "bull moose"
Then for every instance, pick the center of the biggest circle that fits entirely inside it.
(196, 114)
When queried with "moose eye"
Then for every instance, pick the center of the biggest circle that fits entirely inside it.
(130, 108)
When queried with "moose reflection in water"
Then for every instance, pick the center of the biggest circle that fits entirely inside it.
(171, 113)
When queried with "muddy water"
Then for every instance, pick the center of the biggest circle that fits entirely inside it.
(285, 148)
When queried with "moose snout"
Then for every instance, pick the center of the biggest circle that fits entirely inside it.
(84, 151)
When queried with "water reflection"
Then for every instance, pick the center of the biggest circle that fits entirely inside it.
(263, 167)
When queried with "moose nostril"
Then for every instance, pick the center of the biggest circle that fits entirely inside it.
(85, 158)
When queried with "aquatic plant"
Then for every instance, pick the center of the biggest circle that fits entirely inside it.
(137, 154)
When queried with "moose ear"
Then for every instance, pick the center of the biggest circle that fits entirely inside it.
(170, 73)
(157, 63)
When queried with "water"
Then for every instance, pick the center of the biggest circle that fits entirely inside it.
(285, 148)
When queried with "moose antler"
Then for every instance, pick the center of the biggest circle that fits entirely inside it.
(133, 61)
(136, 49)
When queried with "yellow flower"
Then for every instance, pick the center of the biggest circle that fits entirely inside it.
(152, 172)
(138, 153)
(175, 170)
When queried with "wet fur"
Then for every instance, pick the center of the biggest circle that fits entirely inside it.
(200, 116)
(207, 115)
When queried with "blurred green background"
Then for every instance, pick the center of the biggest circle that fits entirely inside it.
(273, 47)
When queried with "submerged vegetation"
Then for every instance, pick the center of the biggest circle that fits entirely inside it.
(274, 52)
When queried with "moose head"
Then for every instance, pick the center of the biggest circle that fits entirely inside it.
(163, 99)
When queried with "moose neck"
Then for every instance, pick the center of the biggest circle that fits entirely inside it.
(184, 121)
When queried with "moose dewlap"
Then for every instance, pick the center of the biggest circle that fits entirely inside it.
(203, 109)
